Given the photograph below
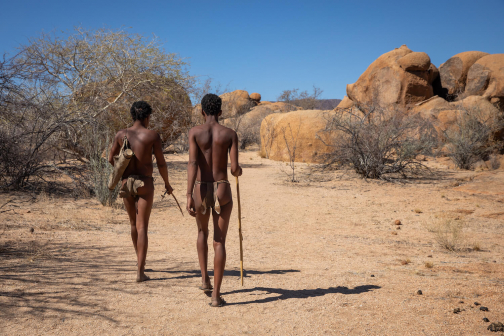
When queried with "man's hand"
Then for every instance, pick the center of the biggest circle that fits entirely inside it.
(168, 188)
(190, 206)
(238, 172)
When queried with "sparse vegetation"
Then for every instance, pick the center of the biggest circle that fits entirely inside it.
(58, 91)
(428, 264)
(449, 233)
(472, 138)
(405, 261)
(379, 142)
(308, 101)
(291, 139)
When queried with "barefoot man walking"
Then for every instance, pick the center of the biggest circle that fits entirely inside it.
(137, 186)
(209, 145)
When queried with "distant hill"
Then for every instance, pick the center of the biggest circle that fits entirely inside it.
(328, 104)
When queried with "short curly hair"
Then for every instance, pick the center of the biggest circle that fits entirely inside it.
(211, 104)
(140, 110)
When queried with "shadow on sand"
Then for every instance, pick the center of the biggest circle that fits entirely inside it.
(233, 273)
(284, 294)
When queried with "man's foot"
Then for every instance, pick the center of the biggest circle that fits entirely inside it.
(217, 303)
(206, 287)
(142, 277)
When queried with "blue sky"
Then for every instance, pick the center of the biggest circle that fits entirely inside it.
(270, 46)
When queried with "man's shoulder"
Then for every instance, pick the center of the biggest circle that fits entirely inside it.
(121, 134)
(227, 130)
(196, 129)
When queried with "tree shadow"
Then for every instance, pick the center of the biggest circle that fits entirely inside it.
(284, 294)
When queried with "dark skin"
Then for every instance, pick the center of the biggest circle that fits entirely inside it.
(209, 145)
(144, 143)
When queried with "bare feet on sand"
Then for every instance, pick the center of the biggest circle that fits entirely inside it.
(142, 277)
(206, 286)
(219, 302)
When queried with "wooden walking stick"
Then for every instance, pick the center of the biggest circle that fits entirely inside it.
(239, 229)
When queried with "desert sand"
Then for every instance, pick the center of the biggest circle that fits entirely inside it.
(322, 256)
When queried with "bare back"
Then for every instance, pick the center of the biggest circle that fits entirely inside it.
(142, 141)
(214, 142)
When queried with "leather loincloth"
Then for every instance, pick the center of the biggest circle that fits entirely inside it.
(130, 188)
(211, 200)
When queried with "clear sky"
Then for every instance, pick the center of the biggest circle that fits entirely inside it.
(271, 46)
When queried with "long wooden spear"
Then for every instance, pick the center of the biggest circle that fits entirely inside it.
(239, 229)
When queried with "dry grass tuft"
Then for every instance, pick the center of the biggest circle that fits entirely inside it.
(428, 264)
(476, 246)
(405, 261)
(43, 197)
(448, 233)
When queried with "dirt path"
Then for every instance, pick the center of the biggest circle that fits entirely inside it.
(322, 256)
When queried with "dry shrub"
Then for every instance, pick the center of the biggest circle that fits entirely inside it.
(472, 138)
(58, 86)
(494, 162)
(304, 99)
(100, 170)
(428, 264)
(379, 141)
(405, 261)
(449, 233)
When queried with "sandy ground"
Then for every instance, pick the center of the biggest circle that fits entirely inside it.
(322, 256)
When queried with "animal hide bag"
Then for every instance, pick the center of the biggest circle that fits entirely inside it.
(121, 161)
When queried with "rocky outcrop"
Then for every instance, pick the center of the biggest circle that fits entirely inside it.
(486, 78)
(345, 103)
(255, 97)
(444, 115)
(453, 73)
(280, 132)
(234, 103)
(401, 77)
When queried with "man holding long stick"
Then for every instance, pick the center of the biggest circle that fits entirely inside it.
(209, 145)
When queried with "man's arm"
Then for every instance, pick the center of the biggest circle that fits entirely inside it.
(233, 154)
(115, 149)
(192, 170)
(161, 163)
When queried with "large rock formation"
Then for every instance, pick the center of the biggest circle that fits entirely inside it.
(444, 115)
(453, 73)
(486, 78)
(255, 96)
(400, 76)
(345, 103)
(234, 103)
(281, 132)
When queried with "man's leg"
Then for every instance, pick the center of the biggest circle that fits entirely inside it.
(129, 204)
(221, 223)
(142, 225)
(202, 241)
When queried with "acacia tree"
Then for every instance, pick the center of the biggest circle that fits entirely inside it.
(304, 99)
(76, 89)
